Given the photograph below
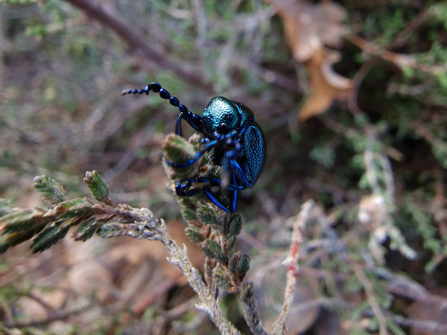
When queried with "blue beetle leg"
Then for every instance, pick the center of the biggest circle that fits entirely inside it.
(199, 154)
(180, 187)
(233, 154)
(244, 128)
(178, 125)
(239, 173)
(233, 195)
(188, 193)
(237, 152)
(194, 120)
(182, 190)
(215, 201)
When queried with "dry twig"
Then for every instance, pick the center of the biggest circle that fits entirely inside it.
(400, 60)
(357, 81)
(145, 226)
(371, 298)
(58, 316)
(96, 12)
(292, 266)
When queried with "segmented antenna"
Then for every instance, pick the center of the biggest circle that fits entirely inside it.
(164, 94)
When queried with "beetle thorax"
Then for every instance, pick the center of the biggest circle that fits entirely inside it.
(221, 115)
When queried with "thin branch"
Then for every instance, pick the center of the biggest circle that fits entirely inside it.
(357, 81)
(179, 310)
(396, 284)
(49, 309)
(156, 230)
(269, 76)
(57, 316)
(425, 326)
(403, 36)
(147, 300)
(400, 60)
(217, 240)
(291, 262)
(406, 287)
(135, 41)
(426, 134)
(369, 290)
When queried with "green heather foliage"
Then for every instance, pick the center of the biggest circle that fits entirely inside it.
(212, 249)
(194, 234)
(49, 237)
(86, 230)
(97, 186)
(244, 266)
(50, 190)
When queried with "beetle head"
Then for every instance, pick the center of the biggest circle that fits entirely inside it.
(220, 115)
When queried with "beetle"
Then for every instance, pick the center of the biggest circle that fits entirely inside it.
(230, 129)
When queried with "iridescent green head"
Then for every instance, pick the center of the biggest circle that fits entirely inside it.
(221, 115)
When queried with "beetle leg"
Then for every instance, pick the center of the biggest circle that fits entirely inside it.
(210, 145)
(194, 120)
(198, 154)
(214, 200)
(238, 173)
(233, 196)
(182, 189)
(237, 152)
(178, 125)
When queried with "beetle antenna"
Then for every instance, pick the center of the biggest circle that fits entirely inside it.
(134, 91)
(164, 94)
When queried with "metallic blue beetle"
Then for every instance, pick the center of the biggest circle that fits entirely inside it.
(230, 129)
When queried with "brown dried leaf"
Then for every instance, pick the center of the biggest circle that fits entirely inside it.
(326, 84)
(308, 28)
